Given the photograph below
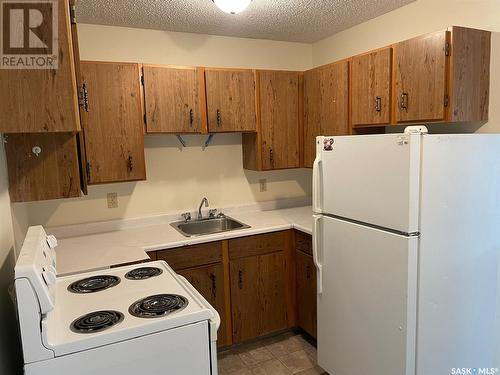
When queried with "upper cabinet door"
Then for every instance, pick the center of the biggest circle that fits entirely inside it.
(42, 100)
(420, 78)
(230, 100)
(172, 97)
(371, 88)
(326, 105)
(113, 125)
(279, 119)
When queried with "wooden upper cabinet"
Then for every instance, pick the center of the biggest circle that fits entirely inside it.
(174, 99)
(371, 88)
(420, 78)
(230, 100)
(326, 105)
(113, 124)
(42, 100)
(470, 51)
(277, 146)
(42, 166)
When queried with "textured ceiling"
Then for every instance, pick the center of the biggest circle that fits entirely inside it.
(288, 20)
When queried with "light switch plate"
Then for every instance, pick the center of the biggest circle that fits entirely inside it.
(112, 200)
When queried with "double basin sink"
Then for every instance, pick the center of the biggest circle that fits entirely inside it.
(207, 226)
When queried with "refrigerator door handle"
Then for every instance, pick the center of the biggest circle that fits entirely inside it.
(316, 257)
(316, 177)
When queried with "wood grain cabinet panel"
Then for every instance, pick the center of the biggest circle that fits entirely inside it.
(371, 88)
(53, 174)
(172, 99)
(326, 105)
(191, 256)
(470, 52)
(209, 281)
(258, 295)
(230, 100)
(257, 245)
(113, 124)
(306, 293)
(42, 100)
(420, 78)
(277, 146)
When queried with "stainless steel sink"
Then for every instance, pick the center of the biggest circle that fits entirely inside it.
(207, 226)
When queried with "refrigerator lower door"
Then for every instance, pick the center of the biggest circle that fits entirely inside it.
(367, 308)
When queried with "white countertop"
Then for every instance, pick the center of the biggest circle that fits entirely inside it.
(130, 244)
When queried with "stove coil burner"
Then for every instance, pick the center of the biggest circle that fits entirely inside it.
(94, 284)
(157, 306)
(143, 273)
(96, 321)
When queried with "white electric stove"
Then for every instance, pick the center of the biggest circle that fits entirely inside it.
(122, 321)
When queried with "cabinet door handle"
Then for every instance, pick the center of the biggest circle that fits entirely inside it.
(83, 97)
(130, 163)
(240, 279)
(271, 156)
(218, 118)
(191, 118)
(378, 104)
(404, 101)
(214, 285)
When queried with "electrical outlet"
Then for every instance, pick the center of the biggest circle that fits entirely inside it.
(263, 185)
(112, 200)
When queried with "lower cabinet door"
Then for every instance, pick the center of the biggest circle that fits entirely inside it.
(258, 301)
(209, 281)
(306, 292)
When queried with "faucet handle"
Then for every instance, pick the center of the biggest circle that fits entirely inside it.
(212, 212)
(186, 216)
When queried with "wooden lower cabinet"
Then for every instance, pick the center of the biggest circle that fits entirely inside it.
(258, 295)
(306, 292)
(209, 281)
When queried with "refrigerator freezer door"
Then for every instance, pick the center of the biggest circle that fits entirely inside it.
(371, 178)
(367, 309)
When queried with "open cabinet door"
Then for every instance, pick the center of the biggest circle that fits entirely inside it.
(80, 137)
(366, 300)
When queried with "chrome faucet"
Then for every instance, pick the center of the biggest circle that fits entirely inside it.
(203, 201)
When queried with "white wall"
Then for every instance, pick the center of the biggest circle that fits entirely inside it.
(417, 18)
(10, 360)
(179, 178)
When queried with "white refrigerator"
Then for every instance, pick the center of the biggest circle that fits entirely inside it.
(406, 241)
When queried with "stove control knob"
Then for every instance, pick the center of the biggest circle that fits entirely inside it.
(49, 275)
(51, 241)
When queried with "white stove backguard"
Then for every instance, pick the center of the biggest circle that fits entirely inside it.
(37, 263)
(35, 277)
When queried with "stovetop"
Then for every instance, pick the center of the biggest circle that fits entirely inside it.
(119, 304)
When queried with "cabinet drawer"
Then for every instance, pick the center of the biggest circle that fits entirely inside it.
(303, 242)
(191, 256)
(257, 245)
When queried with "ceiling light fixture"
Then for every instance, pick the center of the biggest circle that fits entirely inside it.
(232, 6)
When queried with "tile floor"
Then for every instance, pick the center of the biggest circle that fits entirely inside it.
(283, 354)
